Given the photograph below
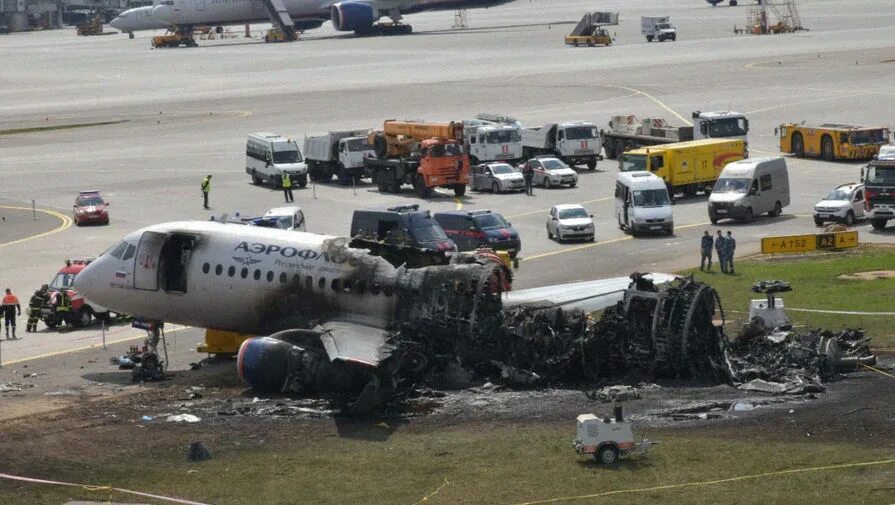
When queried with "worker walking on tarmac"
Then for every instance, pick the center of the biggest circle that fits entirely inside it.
(10, 306)
(731, 248)
(206, 187)
(528, 174)
(287, 187)
(36, 304)
(721, 249)
(706, 245)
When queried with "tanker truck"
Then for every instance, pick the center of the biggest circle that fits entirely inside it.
(424, 155)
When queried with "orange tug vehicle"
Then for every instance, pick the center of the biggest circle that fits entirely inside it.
(66, 305)
(424, 155)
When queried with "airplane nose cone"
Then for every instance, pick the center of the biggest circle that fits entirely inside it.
(117, 23)
(86, 281)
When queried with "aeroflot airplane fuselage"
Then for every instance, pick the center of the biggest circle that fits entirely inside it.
(350, 15)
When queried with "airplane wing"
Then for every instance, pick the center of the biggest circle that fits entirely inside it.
(588, 296)
(355, 342)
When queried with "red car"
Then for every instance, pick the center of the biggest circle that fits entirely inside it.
(90, 208)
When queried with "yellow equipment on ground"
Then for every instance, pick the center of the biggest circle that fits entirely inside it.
(275, 35)
(686, 167)
(590, 30)
(222, 342)
(178, 37)
(832, 141)
(92, 27)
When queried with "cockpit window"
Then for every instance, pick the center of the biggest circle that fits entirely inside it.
(119, 250)
(131, 249)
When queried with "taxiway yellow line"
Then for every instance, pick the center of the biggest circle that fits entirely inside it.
(88, 347)
(601, 243)
(660, 103)
(459, 202)
(66, 223)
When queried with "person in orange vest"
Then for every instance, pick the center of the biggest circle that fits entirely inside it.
(10, 305)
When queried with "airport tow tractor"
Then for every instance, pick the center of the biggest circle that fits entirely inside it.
(608, 439)
(180, 36)
(590, 30)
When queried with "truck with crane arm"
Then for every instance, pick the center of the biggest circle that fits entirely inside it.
(424, 155)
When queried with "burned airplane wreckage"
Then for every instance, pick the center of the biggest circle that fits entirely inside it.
(455, 320)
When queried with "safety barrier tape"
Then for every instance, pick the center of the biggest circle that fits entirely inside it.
(88, 487)
(424, 499)
(822, 311)
(709, 482)
(877, 370)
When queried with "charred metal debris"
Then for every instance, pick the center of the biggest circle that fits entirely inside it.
(451, 330)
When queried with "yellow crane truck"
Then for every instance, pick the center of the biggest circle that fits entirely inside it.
(686, 167)
(832, 141)
(424, 155)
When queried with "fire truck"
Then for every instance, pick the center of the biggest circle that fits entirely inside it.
(82, 310)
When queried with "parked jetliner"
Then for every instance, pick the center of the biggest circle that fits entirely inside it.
(359, 16)
(139, 18)
(330, 303)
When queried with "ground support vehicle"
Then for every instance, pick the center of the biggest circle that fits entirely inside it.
(879, 192)
(401, 224)
(607, 439)
(473, 229)
(657, 28)
(832, 141)
(90, 207)
(570, 221)
(339, 153)
(686, 167)
(94, 26)
(642, 204)
(573, 142)
(486, 141)
(627, 132)
(748, 188)
(844, 204)
(424, 155)
(180, 36)
(591, 31)
(82, 310)
(496, 177)
(269, 156)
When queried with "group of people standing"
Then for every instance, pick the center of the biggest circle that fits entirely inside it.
(724, 246)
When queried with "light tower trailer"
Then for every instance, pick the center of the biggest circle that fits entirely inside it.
(608, 439)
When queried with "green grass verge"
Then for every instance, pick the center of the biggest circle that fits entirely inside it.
(508, 464)
(816, 285)
(35, 129)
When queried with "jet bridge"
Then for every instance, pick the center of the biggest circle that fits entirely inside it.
(280, 18)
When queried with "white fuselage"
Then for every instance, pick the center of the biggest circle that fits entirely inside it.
(139, 18)
(240, 278)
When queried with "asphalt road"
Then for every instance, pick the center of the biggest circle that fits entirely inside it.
(179, 114)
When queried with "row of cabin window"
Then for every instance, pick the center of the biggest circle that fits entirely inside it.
(347, 285)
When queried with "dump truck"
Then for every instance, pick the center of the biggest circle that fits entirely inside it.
(686, 167)
(628, 132)
(339, 153)
(657, 28)
(573, 142)
(832, 141)
(424, 155)
(591, 31)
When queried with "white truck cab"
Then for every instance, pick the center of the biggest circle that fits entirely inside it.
(337, 153)
(657, 28)
(269, 156)
(642, 203)
(720, 124)
(486, 141)
(573, 142)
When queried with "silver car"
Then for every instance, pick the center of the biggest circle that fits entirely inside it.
(570, 221)
(496, 177)
(550, 172)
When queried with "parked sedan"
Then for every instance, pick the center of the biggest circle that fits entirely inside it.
(570, 221)
(550, 171)
(845, 204)
(90, 208)
(496, 177)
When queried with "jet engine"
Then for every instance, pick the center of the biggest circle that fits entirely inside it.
(353, 16)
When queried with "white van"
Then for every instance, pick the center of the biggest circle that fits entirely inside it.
(269, 156)
(748, 188)
(642, 203)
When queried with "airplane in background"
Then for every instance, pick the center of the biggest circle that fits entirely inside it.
(136, 19)
(324, 307)
(359, 16)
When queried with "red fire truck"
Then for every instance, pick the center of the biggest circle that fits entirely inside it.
(82, 311)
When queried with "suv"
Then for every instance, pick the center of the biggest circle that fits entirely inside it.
(471, 229)
(845, 204)
(403, 224)
(90, 208)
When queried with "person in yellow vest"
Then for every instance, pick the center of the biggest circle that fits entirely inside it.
(206, 187)
(287, 187)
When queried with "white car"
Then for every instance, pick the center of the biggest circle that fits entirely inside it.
(845, 204)
(570, 221)
(550, 171)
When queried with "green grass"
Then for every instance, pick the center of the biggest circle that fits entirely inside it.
(816, 286)
(506, 464)
(13, 131)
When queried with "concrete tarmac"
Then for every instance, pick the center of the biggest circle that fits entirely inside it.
(174, 115)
